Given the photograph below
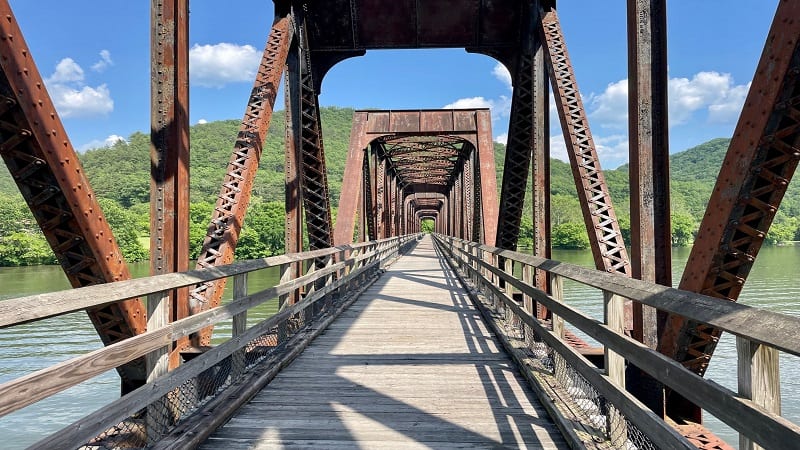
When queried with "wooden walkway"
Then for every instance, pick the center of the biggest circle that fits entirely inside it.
(409, 365)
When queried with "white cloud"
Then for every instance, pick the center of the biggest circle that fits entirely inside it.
(107, 142)
(712, 93)
(611, 107)
(219, 64)
(501, 73)
(67, 71)
(558, 148)
(501, 138)
(105, 61)
(72, 96)
(202, 121)
(469, 103)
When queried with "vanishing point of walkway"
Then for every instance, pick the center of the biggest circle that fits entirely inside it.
(409, 365)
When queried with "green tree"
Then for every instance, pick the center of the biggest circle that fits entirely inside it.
(25, 249)
(684, 228)
(123, 224)
(570, 235)
(427, 226)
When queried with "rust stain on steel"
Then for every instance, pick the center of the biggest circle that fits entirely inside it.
(226, 221)
(43, 163)
(415, 152)
(760, 162)
(598, 212)
(169, 147)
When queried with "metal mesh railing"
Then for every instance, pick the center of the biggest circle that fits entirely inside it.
(160, 418)
(597, 421)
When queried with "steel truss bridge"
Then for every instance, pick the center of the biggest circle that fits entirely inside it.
(644, 388)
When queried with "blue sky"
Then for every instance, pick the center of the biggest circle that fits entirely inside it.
(95, 58)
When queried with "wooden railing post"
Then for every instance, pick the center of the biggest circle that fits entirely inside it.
(157, 363)
(557, 292)
(614, 311)
(759, 380)
(239, 326)
(527, 300)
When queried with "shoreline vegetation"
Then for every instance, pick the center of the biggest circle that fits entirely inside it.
(120, 176)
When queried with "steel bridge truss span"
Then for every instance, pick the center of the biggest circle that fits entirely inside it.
(405, 157)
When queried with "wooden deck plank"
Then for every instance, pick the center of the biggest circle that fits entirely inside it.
(409, 365)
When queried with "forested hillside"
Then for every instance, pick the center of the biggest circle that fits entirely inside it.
(119, 175)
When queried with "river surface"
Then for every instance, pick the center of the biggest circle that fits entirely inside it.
(772, 285)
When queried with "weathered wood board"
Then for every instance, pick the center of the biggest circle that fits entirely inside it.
(409, 365)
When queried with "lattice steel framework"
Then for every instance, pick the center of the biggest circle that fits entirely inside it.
(397, 155)
(760, 162)
(598, 213)
(45, 167)
(228, 215)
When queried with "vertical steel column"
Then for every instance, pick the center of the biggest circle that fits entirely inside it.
(761, 160)
(540, 197)
(40, 158)
(222, 235)
(380, 196)
(352, 182)
(651, 242)
(469, 192)
(598, 213)
(487, 181)
(518, 154)
(368, 218)
(169, 148)
(293, 192)
(308, 135)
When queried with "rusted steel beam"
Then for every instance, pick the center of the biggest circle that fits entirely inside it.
(487, 181)
(540, 195)
(651, 242)
(351, 182)
(169, 147)
(757, 169)
(227, 218)
(651, 239)
(369, 208)
(307, 128)
(45, 167)
(598, 212)
(518, 156)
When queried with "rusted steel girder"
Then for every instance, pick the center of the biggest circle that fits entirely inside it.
(43, 163)
(306, 135)
(415, 152)
(651, 238)
(760, 162)
(540, 195)
(598, 213)
(369, 206)
(169, 147)
(518, 155)
(227, 218)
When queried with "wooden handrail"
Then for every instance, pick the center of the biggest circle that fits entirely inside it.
(31, 308)
(15, 394)
(762, 426)
(758, 325)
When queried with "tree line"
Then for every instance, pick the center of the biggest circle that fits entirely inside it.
(120, 176)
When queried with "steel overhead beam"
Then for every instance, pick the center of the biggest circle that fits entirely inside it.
(598, 213)
(35, 148)
(228, 215)
(760, 162)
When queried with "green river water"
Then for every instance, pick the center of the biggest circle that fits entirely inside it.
(772, 285)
